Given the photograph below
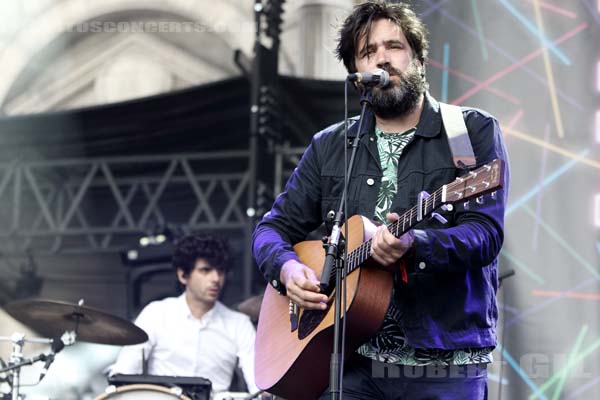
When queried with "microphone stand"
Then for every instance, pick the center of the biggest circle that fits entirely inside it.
(27, 361)
(334, 260)
(17, 360)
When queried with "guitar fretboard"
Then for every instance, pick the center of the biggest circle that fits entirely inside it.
(406, 221)
(476, 183)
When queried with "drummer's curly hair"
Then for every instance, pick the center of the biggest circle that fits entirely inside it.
(214, 249)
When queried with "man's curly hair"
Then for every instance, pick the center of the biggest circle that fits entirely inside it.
(358, 25)
(215, 250)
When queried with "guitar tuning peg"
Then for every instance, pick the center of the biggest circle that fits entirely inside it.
(479, 200)
(466, 205)
(439, 218)
(447, 207)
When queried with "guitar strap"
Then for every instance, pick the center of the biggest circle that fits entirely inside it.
(458, 136)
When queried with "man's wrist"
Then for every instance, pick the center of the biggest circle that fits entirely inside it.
(283, 272)
(278, 278)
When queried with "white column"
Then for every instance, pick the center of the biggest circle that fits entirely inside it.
(315, 25)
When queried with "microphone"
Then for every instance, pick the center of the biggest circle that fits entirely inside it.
(378, 77)
(49, 361)
(57, 345)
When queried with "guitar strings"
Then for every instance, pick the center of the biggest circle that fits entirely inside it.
(362, 252)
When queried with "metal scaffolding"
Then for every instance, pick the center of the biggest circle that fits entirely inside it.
(106, 204)
(100, 205)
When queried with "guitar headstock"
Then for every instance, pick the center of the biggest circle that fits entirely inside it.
(484, 179)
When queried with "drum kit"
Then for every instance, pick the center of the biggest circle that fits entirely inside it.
(62, 324)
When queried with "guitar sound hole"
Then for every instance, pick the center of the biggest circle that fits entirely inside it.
(309, 320)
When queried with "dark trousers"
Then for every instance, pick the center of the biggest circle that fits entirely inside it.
(365, 379)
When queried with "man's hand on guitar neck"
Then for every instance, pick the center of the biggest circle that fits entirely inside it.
(302, 285)
(387, 249)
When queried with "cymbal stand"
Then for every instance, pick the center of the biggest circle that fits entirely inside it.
(78, 316)
(16, 359)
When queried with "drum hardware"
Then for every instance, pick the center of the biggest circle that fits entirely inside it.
(72, 321)
(17, 360)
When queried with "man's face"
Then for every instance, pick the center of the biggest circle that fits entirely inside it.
(387, 46)
(389, 50)
(204, 282)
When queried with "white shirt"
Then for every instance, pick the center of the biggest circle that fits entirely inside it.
(181, 345)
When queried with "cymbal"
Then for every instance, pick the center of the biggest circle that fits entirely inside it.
(52, 318)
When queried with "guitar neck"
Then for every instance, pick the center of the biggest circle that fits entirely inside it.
(398, 228)
(485, 179)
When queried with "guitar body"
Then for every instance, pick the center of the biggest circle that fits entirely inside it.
(295, 365)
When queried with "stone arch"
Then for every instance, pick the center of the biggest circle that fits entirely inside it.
(58, 19)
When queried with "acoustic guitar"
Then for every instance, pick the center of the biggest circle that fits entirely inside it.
(293, 361)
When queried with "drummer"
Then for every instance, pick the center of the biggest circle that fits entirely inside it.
(194, 334)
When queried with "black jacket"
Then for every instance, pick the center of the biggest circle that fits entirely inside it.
(449, 301)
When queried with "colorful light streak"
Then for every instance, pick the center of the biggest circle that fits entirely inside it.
(573, 102)
(584, 388)
(531, 28)
(538, 203)
(515, 119)
(517, 65)
(595, 12)
(563, 378)
(466, 77)
(565, 295)
(549, 74)
(580, 357)
(521, 265)
(552, 177)
(564, 244)
(444, 96)
(556, 149)
(510, 309)
(433, 8)
(511, 361)
(484, 52)
(546, 303)
(557, 10)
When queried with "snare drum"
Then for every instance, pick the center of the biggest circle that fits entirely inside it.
(142, 392)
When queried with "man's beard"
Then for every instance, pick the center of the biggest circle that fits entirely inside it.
(398, 99)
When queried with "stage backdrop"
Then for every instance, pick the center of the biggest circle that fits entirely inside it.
(533, 64)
